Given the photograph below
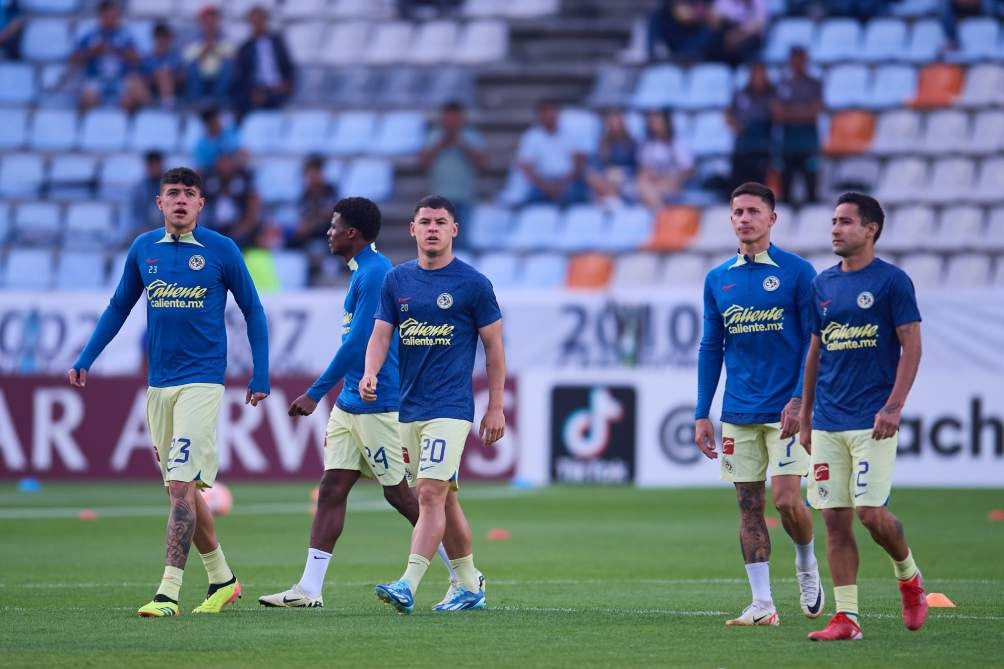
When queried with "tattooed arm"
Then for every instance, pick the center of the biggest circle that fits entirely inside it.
(887, 419)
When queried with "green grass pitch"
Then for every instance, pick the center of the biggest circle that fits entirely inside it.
(591, 577)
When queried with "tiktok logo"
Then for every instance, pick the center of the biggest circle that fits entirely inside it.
(587, 430)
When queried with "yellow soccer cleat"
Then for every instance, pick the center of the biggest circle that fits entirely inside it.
(157, 609)
(220, 597)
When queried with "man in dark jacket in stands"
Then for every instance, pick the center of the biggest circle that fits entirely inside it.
(265, 70)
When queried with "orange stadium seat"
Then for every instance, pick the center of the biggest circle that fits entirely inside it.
(590, 271)
(675, 227)
(938, 86)
(850, 132)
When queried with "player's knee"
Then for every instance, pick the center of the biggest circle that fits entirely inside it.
(400, 499)
(871, 516)
(431, 496)
(330, 493)
(788, 504)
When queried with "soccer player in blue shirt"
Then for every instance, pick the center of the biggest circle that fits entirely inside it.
(862, 362)
(362, 437)
(440, 306)
(756, 319)
(185, 272)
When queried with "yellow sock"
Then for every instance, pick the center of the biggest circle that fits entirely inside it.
(170, 584)
(216, 565)
(846, 597)
(415, 571)
(906, 568)
(467, 575)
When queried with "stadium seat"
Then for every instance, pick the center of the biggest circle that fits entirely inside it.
(304, 9)
(447, 84)
(291, 269)
(484, 8)
(675, 228)
(489, 227)
(141, 31)
(369, 177)
(50, 6)
(582, 127)
(787, 33)
(984, 86)
(434, 42)
(846, 86)
(590, 271)
(527, 9)
(952, 180)
(47, 40)
(584, 228)
(993, 239)
(346, 42)
(5, 223)
(927, 39)
(990, 187)
(117, 174)
(80, 270)
(537, 226)
(262, 131)
(636, 270)
(903, 179)
(362, 8)
(37, 223)
(969, 270)
(884, 40)
(354, 132)
(389, 43)
(915, 8)
(715, 233)
(988, 132)
(708, 85)
(501, 268)
(926, 270)
(659, 86)
(154, 129)
(89, 225)
(28, 269)
(908, 227)
(979, 39)
(684, 270)
(897, 132)
(399, 133)
(279, 179)
(947, 130)
(305, 41)
(13, 128)
(72, 176)
(103, 130)
(20, 175)
(850, 132)
(482, 42)
(815, 222)
(960, 228)
(892, 86)
(17, 83)
(307, 131)
(838, 40)
(612, 87)
(53, 130)
(155, 8)
(785, 229)
(822, 261)
(542, 271)
(711, 135)
(860, 173)
(630, 228)
(938, 85)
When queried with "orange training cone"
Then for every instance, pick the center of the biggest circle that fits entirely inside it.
(936, 600)
(996, 515)
(771, 522)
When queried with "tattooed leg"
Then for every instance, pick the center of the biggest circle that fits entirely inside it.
(180, 523)
(885, 529)
(753, 537)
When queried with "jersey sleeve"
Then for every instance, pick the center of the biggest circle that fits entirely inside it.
(710, 354)
(123, 300)
(486, 306)
(238, 281)
(903, 300)
(806, 306)
(386, 308)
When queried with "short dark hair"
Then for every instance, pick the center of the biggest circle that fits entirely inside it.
(153, 156)
(755, 189)
(314, 161)
(360, 213)
(181, 175)
(453, 106)
(209, 113)
(161, 29)
(869, 209)
(107, 4)
(436, 202)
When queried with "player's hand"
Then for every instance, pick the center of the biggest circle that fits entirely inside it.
(78, 378)
(492, 426)
(805, 431)
(367, 388)
(790, 417)
(704, 437)
(302, 406)
(886, 422)
(254, 398)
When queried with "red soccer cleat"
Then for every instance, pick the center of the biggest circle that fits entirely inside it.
(914, 602)
(840, 628)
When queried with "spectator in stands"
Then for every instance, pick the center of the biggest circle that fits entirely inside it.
(795, 108)
(426, 9)
(685, 27)
(316, 204)
(216, 139)
(740, 29)
(453, 155)
(953, 10)
(664, 163)
(749, 115)
(11, 29)
(143, 212)
(233, 206)
(265, 69)
(162, 69)
(209, 63)
(611, 173)
(109, 59)
(551, 161)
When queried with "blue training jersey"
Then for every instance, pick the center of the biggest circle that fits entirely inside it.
(855, 316)
(186, 282)
(757, 315)
(438, 314)
(369, 268)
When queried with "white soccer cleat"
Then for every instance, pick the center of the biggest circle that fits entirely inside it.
(754, 614)
(454, 588)
(811, 595)
(294, 598)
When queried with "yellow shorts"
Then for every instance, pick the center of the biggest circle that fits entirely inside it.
(752, 453)
(851, 469)
(367, 443)
(183, 427)
(438, 445)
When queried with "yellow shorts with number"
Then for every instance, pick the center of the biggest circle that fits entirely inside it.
(183, 427)
(365, 442)
(433, 448)
(851, 469)
(755, 452)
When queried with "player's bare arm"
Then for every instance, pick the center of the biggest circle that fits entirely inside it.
(888, 417)
(704, 437)
(790, 416)
(376, 353)
(808, 394)
(493, 423)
